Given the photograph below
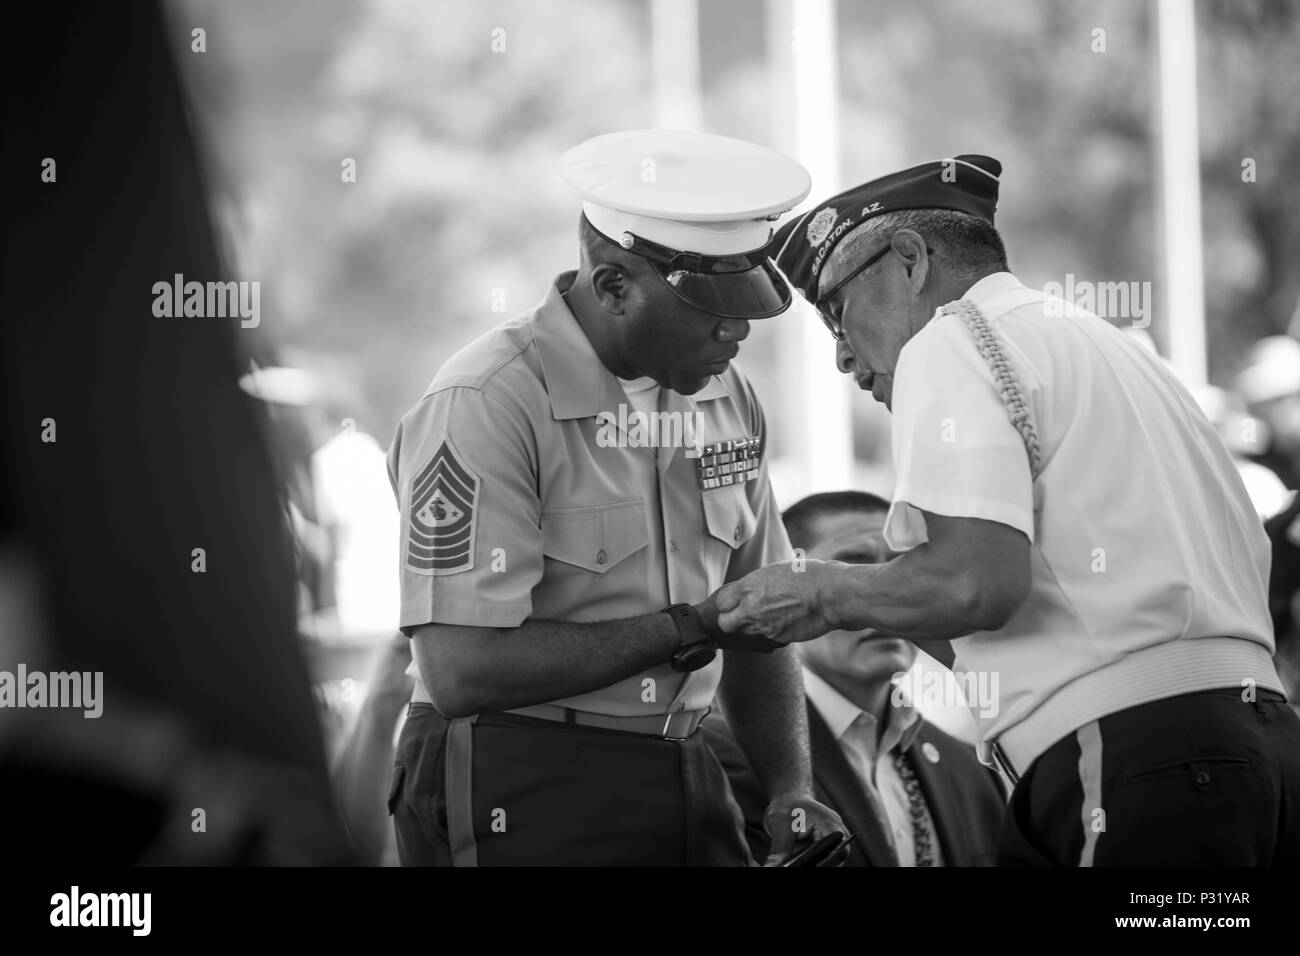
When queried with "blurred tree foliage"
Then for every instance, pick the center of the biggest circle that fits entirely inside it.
(1249, 52)
(1076, 130)
(458, 218)
(455, 113)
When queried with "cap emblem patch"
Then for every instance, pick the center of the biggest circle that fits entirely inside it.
(821, 226)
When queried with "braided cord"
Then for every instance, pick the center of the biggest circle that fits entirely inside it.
(1013, 398)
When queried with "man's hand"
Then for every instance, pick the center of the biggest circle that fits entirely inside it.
(796, 820)
(708, 612)
(777, 602)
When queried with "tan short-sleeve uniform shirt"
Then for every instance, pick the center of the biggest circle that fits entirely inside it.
(527, 492)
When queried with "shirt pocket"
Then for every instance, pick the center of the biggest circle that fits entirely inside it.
(595, 539)
(728, 516)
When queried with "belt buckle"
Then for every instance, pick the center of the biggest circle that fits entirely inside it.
(668, 719)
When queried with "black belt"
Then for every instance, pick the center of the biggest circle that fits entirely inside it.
(678, 725)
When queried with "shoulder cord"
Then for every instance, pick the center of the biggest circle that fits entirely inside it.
(1013, 398)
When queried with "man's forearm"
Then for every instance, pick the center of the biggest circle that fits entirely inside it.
(468, 670)
(763, 698)
(902, 598)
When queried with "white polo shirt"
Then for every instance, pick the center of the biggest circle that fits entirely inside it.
(1149, 563)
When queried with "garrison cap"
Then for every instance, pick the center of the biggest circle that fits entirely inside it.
(700, 208)
(966, 184)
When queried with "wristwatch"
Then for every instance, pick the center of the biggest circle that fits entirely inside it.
(697, 649)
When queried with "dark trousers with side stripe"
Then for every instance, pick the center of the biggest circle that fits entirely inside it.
(1201, 779)
(502, 789)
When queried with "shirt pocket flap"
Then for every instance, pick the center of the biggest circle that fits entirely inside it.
(728, 515)
(596, 538)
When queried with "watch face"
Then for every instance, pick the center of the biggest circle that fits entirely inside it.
(694, 657)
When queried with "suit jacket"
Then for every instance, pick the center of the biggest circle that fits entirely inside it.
(964, 797)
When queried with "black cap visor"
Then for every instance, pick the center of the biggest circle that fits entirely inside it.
(746, 285)
(756, 293)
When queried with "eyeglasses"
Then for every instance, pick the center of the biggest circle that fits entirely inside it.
(837, 328)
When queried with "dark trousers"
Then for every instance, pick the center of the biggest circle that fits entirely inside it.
(1201, 779)
(501, 789)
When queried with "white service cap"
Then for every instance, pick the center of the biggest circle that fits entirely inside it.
(688, 191)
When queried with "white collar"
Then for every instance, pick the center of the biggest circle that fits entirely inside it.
(836, 709)
(839, 712)
(990, 293)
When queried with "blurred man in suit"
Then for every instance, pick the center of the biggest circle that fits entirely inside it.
(914, 795)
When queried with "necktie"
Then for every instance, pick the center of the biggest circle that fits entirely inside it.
(922, 825)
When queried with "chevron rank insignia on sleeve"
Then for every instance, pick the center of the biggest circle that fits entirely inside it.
(444, 496)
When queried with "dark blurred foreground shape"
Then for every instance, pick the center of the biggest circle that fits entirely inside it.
(206, 700)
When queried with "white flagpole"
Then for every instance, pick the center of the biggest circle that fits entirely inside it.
(804, 73)
(675, 63)
(1180, 169)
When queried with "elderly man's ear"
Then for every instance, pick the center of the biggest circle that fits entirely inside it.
(912, 250)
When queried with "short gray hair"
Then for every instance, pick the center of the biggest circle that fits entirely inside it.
(970, 245)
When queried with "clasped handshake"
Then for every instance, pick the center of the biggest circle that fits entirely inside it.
(772, 607)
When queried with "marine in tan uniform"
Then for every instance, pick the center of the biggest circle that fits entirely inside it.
(565, 480)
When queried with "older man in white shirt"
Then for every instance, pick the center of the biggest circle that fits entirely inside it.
(1060, 493)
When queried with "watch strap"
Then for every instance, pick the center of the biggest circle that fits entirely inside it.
(690, 628)
(693, 629)
(696, 649)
